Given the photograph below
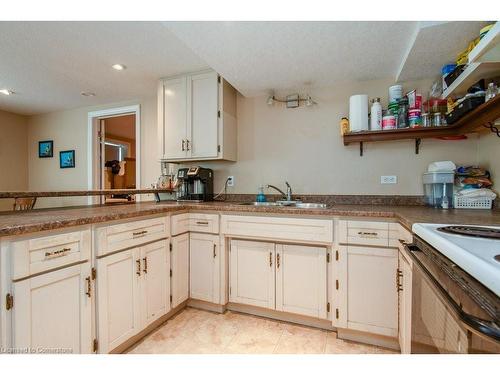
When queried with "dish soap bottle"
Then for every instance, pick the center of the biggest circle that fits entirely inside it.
(260, 195)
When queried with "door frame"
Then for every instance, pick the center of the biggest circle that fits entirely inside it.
(93, 118)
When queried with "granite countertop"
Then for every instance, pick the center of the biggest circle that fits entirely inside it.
(14, 223)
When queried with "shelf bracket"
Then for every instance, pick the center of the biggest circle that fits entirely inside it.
(493, 128)
(418, 141)
(360, 148)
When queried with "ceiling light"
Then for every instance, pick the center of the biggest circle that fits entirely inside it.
(119, 67)
(6, 92)
(87, 93)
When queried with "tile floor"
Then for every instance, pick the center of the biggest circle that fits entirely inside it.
(194, 331)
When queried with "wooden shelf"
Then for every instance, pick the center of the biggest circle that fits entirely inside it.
(473, 73)
(470, 123)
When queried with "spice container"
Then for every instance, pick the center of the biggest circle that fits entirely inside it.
(389, 121)
(436, 105)
(414, 118)
(426, 120)
(403, 113)
(395, 93)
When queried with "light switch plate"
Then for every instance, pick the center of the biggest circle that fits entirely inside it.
(388, 179)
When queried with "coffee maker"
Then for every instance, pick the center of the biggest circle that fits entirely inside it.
(195, 184)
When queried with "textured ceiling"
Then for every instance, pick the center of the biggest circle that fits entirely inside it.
(48, 64)
(258, 56)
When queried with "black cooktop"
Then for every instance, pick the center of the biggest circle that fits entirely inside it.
(482, 232)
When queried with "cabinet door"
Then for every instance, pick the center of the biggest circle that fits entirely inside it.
(53, 311)
(301, 280)
(203, 270)
(175, 118)
(405, 305)
(202, 116)
(118, 311)
(372, 299)
(180, 269)
(252, 273)
(155, 289)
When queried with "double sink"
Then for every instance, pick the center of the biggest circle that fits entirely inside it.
(291, 204)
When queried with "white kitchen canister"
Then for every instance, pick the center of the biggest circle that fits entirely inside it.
(395, 93)
(358, 113)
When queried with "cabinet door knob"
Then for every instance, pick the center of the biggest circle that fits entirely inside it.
(183, 145)
(145, 259)
(215, 254)
(89, 287)
(187, 144)
(270, 259)
(278, 261)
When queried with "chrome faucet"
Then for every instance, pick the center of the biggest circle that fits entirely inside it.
(287, 196)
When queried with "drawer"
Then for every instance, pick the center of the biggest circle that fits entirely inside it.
(135, 233)
(278, 228)
(44, 253)
(195, 222)
(372, 233)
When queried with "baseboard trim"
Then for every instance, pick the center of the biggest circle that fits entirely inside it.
(280, 315)
(204, 305)
(133, 341)
(368, 338)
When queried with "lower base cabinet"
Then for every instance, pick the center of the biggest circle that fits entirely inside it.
(282, 277)
(372, 297)
(301, 282)
(52, 312)
(133, 291)
(204, 267)
(179, 280)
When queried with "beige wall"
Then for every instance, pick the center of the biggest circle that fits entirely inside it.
(68, 129)
(13, 155)
(489, 156)
(304, 147)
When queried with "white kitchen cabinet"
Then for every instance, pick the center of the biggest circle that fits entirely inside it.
(301, 280)
(204, 267)
(118, 302)
(180, 269)
(372, 298)
(197, 118)
(156, 281)
(405, 297)
(174, 119)
(252, 273)
(53, 311)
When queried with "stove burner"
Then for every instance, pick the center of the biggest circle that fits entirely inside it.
(481, 232)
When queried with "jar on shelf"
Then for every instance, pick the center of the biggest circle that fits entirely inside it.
(403, 113)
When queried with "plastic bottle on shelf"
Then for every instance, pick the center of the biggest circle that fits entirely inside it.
(376, 115)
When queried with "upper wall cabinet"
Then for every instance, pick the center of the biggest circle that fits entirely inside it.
(196, 118)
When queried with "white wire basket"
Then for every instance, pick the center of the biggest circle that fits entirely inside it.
(483, 203)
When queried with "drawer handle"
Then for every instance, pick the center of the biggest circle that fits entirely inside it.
(89, 287)
(215, 254)
(202, 223)
(145, 259)
(368, 233)
(57, 253)
(138, 263)
(141, 233)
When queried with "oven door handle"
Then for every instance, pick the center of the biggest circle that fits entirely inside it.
(488, 328)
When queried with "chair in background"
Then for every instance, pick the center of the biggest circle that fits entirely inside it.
(24, 204)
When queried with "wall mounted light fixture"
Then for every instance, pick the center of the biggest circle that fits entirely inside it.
(292, 101)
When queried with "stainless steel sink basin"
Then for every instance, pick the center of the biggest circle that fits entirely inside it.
(287, 204)
(260, 204)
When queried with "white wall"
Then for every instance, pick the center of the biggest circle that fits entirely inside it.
(68, 129)
(13, 155)
(489, 156)
(304, 146)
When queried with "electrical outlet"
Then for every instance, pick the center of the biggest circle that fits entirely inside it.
(388, 179)
(230, 181)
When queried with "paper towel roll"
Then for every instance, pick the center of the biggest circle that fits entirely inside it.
(358, 113)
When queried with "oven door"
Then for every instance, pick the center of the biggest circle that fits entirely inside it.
(444, 319)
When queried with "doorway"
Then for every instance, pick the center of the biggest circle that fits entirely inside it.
(114, 145)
